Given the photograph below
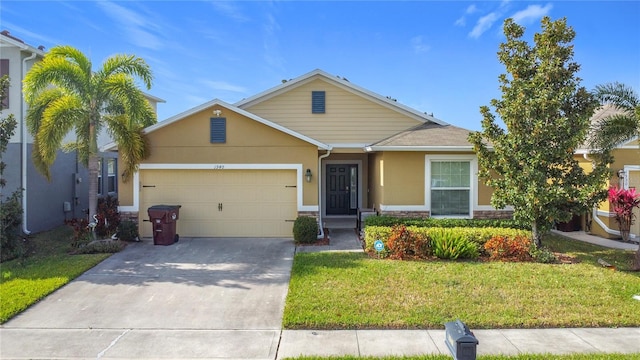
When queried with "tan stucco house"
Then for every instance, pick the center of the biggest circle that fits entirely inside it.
(625, 173)
(315, 145)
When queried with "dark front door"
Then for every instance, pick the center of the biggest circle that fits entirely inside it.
(342, 189)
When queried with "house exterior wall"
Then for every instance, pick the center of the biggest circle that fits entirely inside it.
(349, 118)
(397, 185)
(247, 142)
(376, 180)
(629, 155)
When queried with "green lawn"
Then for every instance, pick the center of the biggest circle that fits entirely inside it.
(50, 267)
(353, 291)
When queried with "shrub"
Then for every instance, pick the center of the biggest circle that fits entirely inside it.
(128, 231)
(386, 220)
(305, 230)
(11, 243)
(542, 254)
(101, 247)
(447, 244)
(108, 216)
(479, 236)
(81, 232)
(404, 243)
(509, 248)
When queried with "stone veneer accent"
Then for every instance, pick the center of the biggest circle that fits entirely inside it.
(129, 215)
(313, 214)
(493, 214)
(407, 214)
(479, 214)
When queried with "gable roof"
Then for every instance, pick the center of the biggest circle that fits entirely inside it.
(343, 84)
(426, 137)
(113, 146)
(11, 40)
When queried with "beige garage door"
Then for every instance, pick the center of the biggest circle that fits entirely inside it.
(229, 203)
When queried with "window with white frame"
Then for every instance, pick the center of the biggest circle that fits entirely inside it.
(450, 187)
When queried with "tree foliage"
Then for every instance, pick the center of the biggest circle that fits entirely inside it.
(11, 245)
(530, 161)
(66, 96)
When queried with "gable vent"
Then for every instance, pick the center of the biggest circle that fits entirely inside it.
(317, 102)
(218, 130)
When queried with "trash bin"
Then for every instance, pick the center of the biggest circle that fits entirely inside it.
(163, 219)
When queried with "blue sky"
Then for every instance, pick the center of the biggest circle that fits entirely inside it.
(435, 56)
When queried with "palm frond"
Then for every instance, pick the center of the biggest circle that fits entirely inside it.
(127, 64)
(58, 119)
(132, 147)
(57, 72)
(620, 95)
(39, 105)
(38, 162)
(129, 99)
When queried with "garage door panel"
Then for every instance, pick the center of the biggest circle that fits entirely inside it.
(255, 203)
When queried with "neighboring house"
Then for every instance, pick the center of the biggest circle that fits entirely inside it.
(45, 204)
(315, 145)
(625, 174)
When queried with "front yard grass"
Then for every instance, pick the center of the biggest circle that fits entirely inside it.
(25, 282)
(354, 291)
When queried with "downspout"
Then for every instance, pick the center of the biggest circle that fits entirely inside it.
(24, 146)
(321, 235)
(595, 217)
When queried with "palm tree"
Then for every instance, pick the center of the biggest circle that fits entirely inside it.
(622, 126)
(618, 128)
(64, 95)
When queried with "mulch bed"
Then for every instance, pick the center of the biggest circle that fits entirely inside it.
(320, 242)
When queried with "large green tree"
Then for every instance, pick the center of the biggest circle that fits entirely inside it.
(65, 95)
(529, 162)
(622, 126)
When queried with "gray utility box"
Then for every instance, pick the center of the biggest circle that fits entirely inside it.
(460, 340)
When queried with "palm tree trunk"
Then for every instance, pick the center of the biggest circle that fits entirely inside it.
(93, 171)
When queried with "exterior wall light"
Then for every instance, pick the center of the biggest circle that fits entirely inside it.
(308, 175)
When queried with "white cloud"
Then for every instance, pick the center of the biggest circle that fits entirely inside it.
(223, 86)
(135, 25)
(471, 9)
(229, 9)
(531, 13)
(462, 21)
(418, 45)
(484, 24)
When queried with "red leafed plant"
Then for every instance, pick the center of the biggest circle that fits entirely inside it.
(509, 248)
(623, 201)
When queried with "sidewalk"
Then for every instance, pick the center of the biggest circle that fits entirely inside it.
(379, 343)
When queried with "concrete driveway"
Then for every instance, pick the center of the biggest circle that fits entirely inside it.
(198, 298)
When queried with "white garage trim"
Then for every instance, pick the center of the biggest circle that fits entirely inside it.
(218, 167)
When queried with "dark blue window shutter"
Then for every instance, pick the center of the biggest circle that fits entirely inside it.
(317, 102)
(218, 130)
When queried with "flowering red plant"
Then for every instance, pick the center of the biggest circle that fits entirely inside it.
(623, 201)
